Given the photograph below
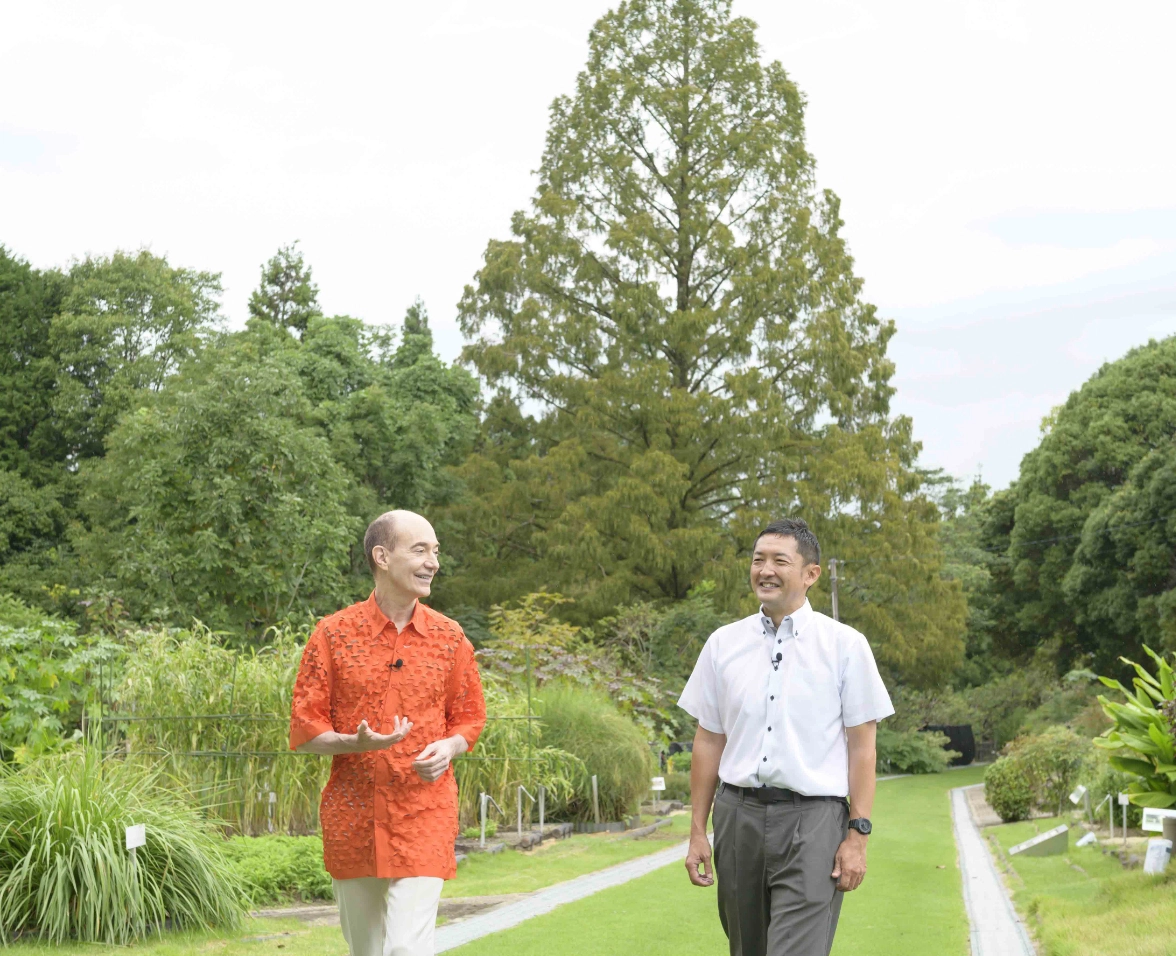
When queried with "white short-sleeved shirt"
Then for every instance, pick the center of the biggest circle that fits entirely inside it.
(785, 725)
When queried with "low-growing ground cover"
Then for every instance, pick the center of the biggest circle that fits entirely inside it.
(1083, 903)
(911, 902)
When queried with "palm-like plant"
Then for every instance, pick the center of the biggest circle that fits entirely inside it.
(1141, 741)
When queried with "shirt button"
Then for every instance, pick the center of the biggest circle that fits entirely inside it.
(765, 759)
(769, 729)
(773, 697)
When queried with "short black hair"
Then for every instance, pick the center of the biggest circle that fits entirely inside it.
(380, 532)
(797, 529)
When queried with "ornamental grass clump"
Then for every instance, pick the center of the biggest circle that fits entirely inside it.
(65, 872)
(612, 747)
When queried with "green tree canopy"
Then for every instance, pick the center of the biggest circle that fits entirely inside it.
(30, 440)
(126, 324)
(680, 312)
(1121, 585)
(1089, 472)
(287, 297)
(220, 499)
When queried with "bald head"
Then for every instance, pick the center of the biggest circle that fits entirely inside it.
(386, 530)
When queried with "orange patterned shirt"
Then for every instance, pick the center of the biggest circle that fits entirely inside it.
(378, 817)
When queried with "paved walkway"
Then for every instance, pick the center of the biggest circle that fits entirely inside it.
(452, 935)
(997, 930)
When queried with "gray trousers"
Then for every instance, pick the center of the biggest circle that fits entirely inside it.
(773, 863)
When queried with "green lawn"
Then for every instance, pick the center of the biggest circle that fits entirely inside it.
(513, 872)
(1083, 903)
(907, 906)
(258, 937)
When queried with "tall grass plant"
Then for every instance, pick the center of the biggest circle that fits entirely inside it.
(586, 722)
(217, 718)
(66, 872)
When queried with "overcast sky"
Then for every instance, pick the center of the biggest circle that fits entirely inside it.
(1005, 167)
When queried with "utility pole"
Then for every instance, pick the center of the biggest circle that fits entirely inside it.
(833, 586)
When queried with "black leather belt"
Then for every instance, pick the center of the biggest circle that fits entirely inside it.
(777, 794)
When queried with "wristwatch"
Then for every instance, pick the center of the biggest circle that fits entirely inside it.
(862, 825)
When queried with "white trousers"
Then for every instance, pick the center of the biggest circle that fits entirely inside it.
(389, 917)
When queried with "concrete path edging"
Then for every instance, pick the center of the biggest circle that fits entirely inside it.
(996, 929)
(452, 935)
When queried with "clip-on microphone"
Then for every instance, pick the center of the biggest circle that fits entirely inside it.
(399, 664)
(776, 661)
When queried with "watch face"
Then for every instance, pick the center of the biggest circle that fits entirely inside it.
(862, 826)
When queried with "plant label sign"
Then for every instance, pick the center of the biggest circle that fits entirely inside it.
(1158, 854)
(1153, 818)
(1048, 843)
(1124, 800)
(136, 836)
(659, 783)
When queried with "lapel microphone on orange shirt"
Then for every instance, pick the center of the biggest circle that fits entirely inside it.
(399, 664)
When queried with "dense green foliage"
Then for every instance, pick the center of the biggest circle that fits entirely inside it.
(220, 500)
(47, 677)
(280, 869)
(1068, 572)
(911, 751)
(65, 872)
(1007, 790)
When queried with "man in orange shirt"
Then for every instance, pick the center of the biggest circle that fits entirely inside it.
(390, 689)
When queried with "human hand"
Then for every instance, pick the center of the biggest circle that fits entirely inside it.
(367, 739)
(849, 866)
(434, 760)
(698, 860)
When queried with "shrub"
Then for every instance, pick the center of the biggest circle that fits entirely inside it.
(912, 751)
(680, 762)
(67, 874)
(1051, 763)
(587, 723)
(280, 869)
(474, 833)
(45, 678)
(677, 787)
(1007, 791)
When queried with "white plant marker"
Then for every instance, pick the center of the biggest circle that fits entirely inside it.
(658, 785)
(1124, 801)
(136, 837)
(1159, 851)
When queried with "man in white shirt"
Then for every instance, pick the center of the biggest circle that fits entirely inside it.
(788, 703)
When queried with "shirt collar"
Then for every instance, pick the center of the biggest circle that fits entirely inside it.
(380, 620)
(800, 618)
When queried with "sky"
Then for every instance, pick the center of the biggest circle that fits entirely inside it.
(1005, 167)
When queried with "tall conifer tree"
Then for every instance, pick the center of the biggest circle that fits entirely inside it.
(681, 308)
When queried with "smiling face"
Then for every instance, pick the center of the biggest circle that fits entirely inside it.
(409, 562)
(779, 576)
